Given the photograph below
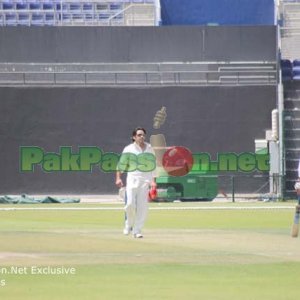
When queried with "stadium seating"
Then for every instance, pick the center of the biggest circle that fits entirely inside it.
(7, 6)
(23, 19)
(49, 19)
(290, 70)
(37, 19)
(296, 63)
(290, 29)
(21, 6)
(296, 74)
(87, 7)
(35, 6)
(286, 70)
(77, 12)
(10, 19)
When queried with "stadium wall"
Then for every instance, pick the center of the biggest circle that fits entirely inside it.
(218, 12)
(204, 119)
(137, 44)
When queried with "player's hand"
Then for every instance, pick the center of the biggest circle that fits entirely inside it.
(153, 185)
(119, 183)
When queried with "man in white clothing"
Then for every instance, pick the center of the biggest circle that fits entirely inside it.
(139, 161)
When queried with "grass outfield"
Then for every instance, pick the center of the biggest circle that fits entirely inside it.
(217, 251)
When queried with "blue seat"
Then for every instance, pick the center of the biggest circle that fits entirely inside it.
(35, 6)
(24, 19)
(8, 6)
(48, 6)
(21, 6)
(287, 74)
(75, 7)
(286, 69)
(77, 17)
(296, 67)
(296, 74)
(62, 7)
(296, 63)
(116, 6)
(49, 19)
(37, 19)
(104, 16)
(87, 7)
(286, 63)
(89, 18)
(11, 19)
(102, 6)
(66, 18)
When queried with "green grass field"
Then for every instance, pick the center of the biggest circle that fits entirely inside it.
(224, 253)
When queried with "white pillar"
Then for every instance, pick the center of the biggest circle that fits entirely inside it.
(157, 12)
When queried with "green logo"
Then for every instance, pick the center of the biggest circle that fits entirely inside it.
(88, 159)
(231, 162)
(85, 160)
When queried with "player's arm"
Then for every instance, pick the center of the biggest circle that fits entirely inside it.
(154, 172)
(123, 166)
(153, 183)
(119, 182)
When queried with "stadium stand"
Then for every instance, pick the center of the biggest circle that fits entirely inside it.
(286, 70)
(114, 68)
(292, 133)
(289, 29)
(79, 13)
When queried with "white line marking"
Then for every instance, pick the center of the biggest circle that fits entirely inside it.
(152, 208)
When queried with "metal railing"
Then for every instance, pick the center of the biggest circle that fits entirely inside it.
(197, 73)
(263, 187)
(137, 78)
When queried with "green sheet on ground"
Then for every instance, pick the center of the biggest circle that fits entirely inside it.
(25, 199)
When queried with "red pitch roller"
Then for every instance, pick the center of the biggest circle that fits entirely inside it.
(295, 227)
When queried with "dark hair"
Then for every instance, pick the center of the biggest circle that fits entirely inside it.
(136, 130)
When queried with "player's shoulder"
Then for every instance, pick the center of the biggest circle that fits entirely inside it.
(149, 147)
(128, 148)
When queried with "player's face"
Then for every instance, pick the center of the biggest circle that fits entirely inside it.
(140, 137)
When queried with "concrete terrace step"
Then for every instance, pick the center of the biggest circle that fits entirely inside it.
(294, 113)
(292, 165)
(291, 175)
(292, 154)
(292, 143)
(291, 105)
(291, 133)
(291, 123)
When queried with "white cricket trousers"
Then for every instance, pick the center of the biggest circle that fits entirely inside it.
(136, 207)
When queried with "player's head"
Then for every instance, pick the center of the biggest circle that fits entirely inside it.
(138, 133)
